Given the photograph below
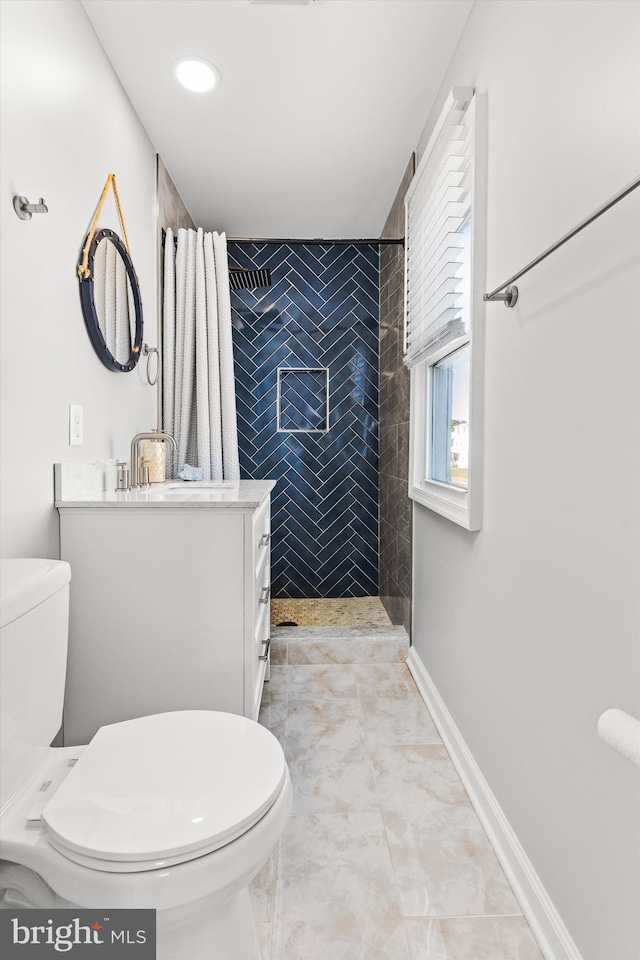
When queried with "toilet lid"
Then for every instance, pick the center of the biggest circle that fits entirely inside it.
(172, 785)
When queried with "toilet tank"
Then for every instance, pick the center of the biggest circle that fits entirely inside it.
(34, 621)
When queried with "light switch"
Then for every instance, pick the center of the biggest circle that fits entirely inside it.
(76, 425)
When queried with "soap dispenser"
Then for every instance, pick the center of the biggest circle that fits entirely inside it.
(122, 479)
(153, 451)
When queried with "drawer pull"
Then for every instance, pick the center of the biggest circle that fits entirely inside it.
(267, 644)
(265, 594)
(265, 540)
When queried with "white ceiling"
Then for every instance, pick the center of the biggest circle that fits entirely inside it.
(319, 108)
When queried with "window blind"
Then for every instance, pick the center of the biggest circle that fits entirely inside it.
(438, 210)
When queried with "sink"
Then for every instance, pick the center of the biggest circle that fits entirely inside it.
(191, 488)
(199, 484)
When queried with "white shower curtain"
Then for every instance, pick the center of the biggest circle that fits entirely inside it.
(114, 301)
(199, 404)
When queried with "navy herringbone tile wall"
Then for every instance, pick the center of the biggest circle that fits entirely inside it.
(321, 311)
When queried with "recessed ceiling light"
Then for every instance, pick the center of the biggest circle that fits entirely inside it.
(196, 74)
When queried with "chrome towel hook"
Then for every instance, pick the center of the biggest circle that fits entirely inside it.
(25, 210)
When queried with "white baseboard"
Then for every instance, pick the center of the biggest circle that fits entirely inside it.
(553, 938)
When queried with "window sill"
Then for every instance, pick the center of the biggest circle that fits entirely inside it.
(450, 502)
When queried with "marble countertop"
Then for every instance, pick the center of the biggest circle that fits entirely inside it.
(180, 494)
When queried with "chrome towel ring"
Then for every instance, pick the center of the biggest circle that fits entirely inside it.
(147, 352)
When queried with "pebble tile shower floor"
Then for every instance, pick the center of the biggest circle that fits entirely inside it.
(342, 611)
(384, 857)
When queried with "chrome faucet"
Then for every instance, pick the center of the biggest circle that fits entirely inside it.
(151, 435)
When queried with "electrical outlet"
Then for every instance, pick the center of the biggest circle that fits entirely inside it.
(76, 425)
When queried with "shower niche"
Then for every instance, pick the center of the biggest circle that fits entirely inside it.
(303, 400)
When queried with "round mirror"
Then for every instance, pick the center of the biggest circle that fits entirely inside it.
(111, 303)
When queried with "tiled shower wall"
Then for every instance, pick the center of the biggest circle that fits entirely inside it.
(320, 312)
(395, 506)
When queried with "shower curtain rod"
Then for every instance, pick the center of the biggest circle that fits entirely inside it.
(364, 241)
(361, 241)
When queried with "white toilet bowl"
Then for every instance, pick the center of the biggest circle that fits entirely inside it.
(175, 812)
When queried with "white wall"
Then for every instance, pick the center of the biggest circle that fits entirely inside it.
(530, 627)
(66, 124)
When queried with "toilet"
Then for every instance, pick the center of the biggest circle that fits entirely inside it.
(175, 812)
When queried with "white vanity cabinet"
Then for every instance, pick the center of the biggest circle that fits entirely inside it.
(169, 606)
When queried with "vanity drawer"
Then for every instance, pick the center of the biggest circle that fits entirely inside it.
(261, 538)
(262, 601)
(259, 670)
(261, 633)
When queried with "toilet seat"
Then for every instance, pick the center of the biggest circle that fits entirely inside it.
(161, 790)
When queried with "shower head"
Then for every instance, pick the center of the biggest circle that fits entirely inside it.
(242, 279)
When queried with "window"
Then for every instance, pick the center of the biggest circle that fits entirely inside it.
(449, 436)
(444, 277)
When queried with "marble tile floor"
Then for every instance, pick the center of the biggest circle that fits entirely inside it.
(384, 857)
(342, 611)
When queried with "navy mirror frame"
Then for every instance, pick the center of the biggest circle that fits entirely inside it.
(89, 307)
